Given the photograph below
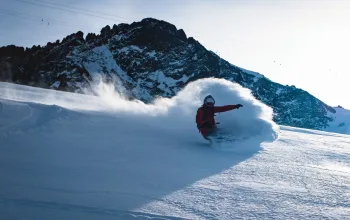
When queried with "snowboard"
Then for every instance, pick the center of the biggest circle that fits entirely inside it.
(223, 137)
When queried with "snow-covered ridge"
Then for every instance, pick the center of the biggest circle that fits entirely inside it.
(341, 122)
(255, 74)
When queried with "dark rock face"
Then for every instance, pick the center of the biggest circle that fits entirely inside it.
(148, 59)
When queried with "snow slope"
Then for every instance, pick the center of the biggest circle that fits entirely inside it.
(70, 156)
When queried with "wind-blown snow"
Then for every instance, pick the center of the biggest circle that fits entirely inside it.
(73, 156)
(175, 115)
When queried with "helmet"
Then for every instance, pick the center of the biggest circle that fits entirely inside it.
(209, 100)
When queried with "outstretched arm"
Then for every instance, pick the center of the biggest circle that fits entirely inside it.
(226, 108)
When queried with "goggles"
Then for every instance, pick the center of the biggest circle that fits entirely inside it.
(210, 101)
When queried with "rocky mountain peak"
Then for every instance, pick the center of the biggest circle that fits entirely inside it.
(147, 59)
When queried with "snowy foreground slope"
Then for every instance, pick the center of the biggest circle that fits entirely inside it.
(70, 156)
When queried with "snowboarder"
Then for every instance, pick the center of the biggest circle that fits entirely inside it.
(205, 115)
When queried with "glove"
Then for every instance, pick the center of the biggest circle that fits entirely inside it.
(239, 105)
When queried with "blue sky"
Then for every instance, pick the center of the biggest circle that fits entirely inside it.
(301, 43)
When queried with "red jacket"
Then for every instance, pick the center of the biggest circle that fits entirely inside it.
(205, 116)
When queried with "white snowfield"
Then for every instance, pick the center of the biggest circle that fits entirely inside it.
(71, 156)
